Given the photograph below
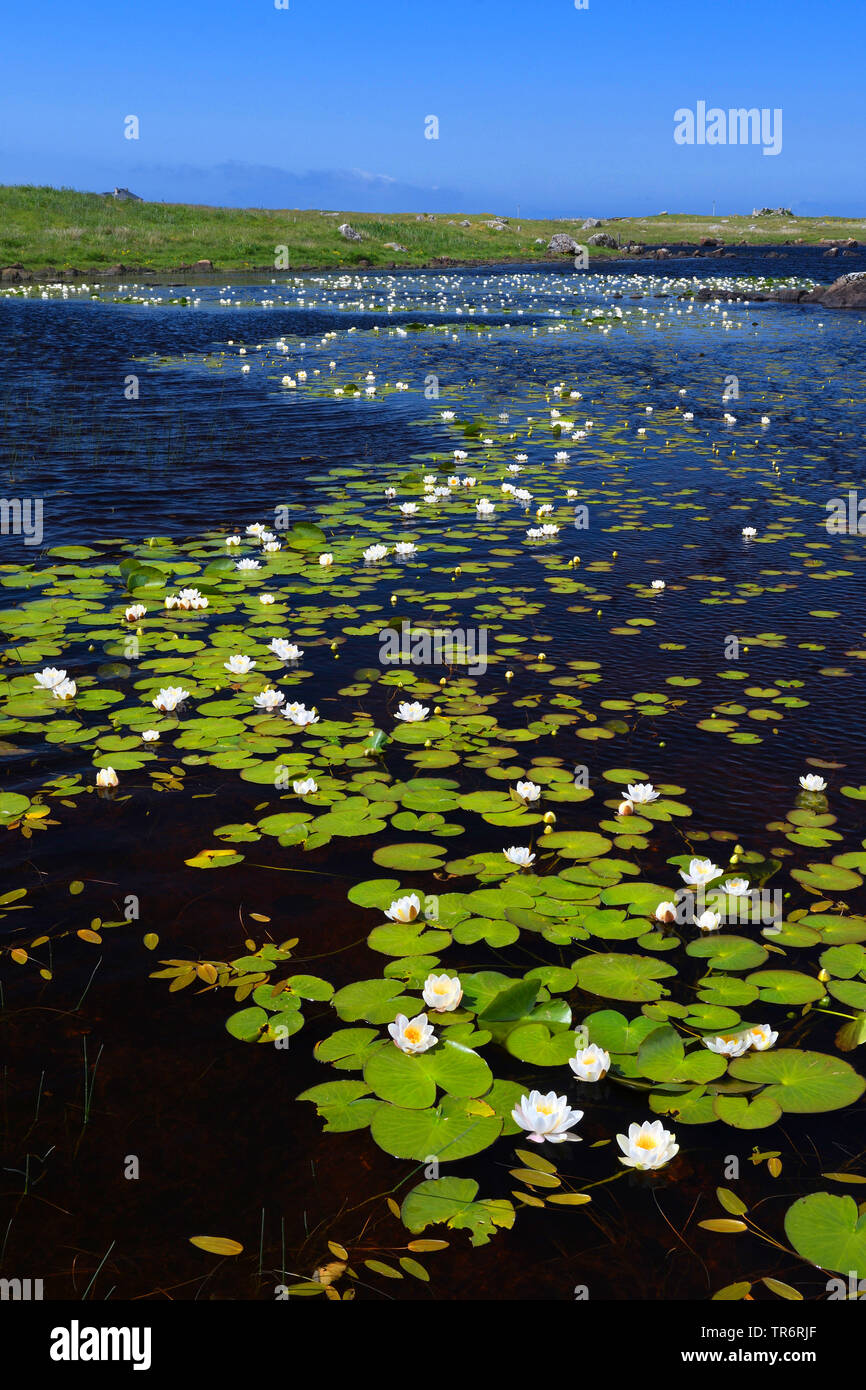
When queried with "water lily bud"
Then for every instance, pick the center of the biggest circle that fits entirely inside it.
(333, 646)
(393, 600)
(139, 632)
(443, 680)
(823, 976)
(437, 709)
(614, 553)
(548, 830)
(509, 675)
(625, 808)
(576, 560)
(427, 743)
(549, 818)
(541, 656)
(598, 612)
(458, 570)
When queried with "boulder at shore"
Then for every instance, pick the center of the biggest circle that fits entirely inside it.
(563, 245)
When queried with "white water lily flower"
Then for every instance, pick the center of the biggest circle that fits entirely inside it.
(286, 651)
(709, 921)
(255, 528)
(390, 492)
(590, 1063)
(150, 735)
(169, 698)
(404, 909)
(647, 1146)
(239, 665)
(300, 715)
(49, 676)
(326, 558)
(248, 565)
(269, 698)
(812, 782)
(666, 912)
(729, 1044)
(411, 712)
(267, 598)
(688, 415)
(375, 552)
(412, 1035)
(233, 540)
(404, 549)
(442, 993)
(447, 416)
(546, 1117)
(305, 788)
(64, 690)
(657, 584)
(520, 856)
(641, 793)
(735, 887)
(528, 791)
(106, 777)
(762, 1037)
(700, 871)
(749, 532)
(186, 599)
(408, 508)
(134, 612)
(484, 507)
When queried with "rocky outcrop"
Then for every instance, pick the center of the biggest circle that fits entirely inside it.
(561, 244)
(848, 292)
(347, 231)
(604, 239)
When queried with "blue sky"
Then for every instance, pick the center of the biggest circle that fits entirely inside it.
(541, 106)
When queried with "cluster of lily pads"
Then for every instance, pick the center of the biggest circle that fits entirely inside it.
(223, 654)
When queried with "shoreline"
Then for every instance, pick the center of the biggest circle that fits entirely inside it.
(18, 273)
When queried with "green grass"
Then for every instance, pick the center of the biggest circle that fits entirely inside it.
(59, 228)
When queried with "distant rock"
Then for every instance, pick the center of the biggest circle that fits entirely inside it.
(466, 222)
(772, 212)
(592, 222)
(708, 241)
(395, 246)
(539, 241)
(123, 195)
(347, 231)
(603, 239)
(563, 245)
(13, 274)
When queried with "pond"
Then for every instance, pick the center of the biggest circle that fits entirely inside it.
(502, 624)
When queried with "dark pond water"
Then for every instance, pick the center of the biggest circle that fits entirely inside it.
(102, 1063)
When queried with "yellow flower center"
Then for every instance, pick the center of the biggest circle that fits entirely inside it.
(646, 1141)
(545, 1109)
(412, 1034)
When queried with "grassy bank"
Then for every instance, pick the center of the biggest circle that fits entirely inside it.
(59, 228)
